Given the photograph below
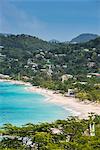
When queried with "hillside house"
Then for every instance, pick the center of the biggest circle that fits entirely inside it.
(89, 75)
(1, 47)
(2, 76)
(2, 55)
(91, 64)
(65, 77)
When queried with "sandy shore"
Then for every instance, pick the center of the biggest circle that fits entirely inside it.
(78, 108)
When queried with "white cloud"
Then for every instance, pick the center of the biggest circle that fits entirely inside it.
(14, 20)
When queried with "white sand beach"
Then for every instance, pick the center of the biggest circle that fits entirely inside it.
(78, 108)
(81, 109)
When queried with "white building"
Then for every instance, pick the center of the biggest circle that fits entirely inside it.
(65, 77)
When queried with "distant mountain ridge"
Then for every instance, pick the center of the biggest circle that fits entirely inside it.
(85, 37)
(54, 41)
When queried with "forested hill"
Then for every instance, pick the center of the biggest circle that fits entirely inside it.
(24, 42)
(32, 56)
(93, 43)
(84, 38)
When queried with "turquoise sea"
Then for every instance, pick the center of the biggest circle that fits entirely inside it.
(18, 106)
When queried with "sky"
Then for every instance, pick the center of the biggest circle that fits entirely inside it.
(50, 19)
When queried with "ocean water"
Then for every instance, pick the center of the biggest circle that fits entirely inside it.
(18, 106)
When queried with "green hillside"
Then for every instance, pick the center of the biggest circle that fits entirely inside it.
(21, 52)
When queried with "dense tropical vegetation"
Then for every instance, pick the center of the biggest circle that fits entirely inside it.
(72, 134)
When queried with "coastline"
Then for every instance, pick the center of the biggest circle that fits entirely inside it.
(80, 109)
(16, 82)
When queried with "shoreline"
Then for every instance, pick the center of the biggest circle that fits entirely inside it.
(77, 108)
(51, 98)
(80, 109)
(16, 82)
